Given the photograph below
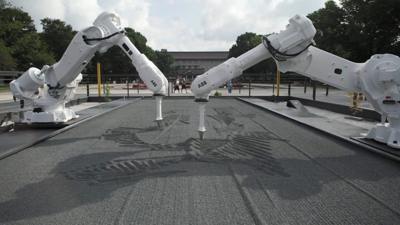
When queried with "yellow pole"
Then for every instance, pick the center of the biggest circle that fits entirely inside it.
(278, 80)
(98, 80)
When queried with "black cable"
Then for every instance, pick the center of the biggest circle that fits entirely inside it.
(276, 54)
(86, 40)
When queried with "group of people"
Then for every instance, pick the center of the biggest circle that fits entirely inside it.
(179, 85)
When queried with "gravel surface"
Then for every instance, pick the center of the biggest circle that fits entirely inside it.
(252, 168)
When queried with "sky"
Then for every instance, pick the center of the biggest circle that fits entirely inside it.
(178, 25)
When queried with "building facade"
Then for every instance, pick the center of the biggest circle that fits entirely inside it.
(190, 64)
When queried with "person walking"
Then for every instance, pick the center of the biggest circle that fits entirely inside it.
(176, 86)
(229, 86)
(184, 85)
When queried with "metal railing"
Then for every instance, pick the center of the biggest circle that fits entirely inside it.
(7, 76)
(246, 82)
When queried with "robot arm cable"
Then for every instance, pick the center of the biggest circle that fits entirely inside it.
(276, 54)
(103, 38)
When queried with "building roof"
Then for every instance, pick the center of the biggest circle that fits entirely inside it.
(218, 55)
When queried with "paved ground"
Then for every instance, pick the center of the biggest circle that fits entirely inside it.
(252, 168)
(334, 123)
(348, 128)
(23, 135)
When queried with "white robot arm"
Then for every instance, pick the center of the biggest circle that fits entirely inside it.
(378, 78)
(295, 39)
(53, 86)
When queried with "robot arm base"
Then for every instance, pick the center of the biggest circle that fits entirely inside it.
(385, 133)
(28, 85)
(55, 116)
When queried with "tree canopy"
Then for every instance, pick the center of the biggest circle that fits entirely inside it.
(21, 46)
(330, 28)
(57, 35)
(244, 43)
(21, 41)
(356, 30)
(164, 61)
(7, 62)
(116, 61)
(359, 28)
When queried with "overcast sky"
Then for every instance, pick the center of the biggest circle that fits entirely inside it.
(189, 25)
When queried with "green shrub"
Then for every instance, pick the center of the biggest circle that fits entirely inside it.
(217, 93)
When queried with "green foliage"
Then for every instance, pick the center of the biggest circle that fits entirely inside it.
(57, 35)
(6, 60)
(141, 43)
(22, 47)
(330, 28)
(163, 61)
(137, 39)
(355, 30)
(4, 88)
(4, 4)
(358, 29)
(217, 93)
(373, 27)
(21, 41)
(29, 51)
(115, 60)
(244, 43)
(14, 24)
(108, 89)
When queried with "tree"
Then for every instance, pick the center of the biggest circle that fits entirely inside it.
(330, 29)
(23, 43)
(116, 61)
(14, 23)
(4, 4)
(137, 39)
(164, 61)
(140, 42)
(358, 29)
(29, 51)
(244, 43)
(372, 27)
(6, 60)
(21, 46)
(57, 35)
